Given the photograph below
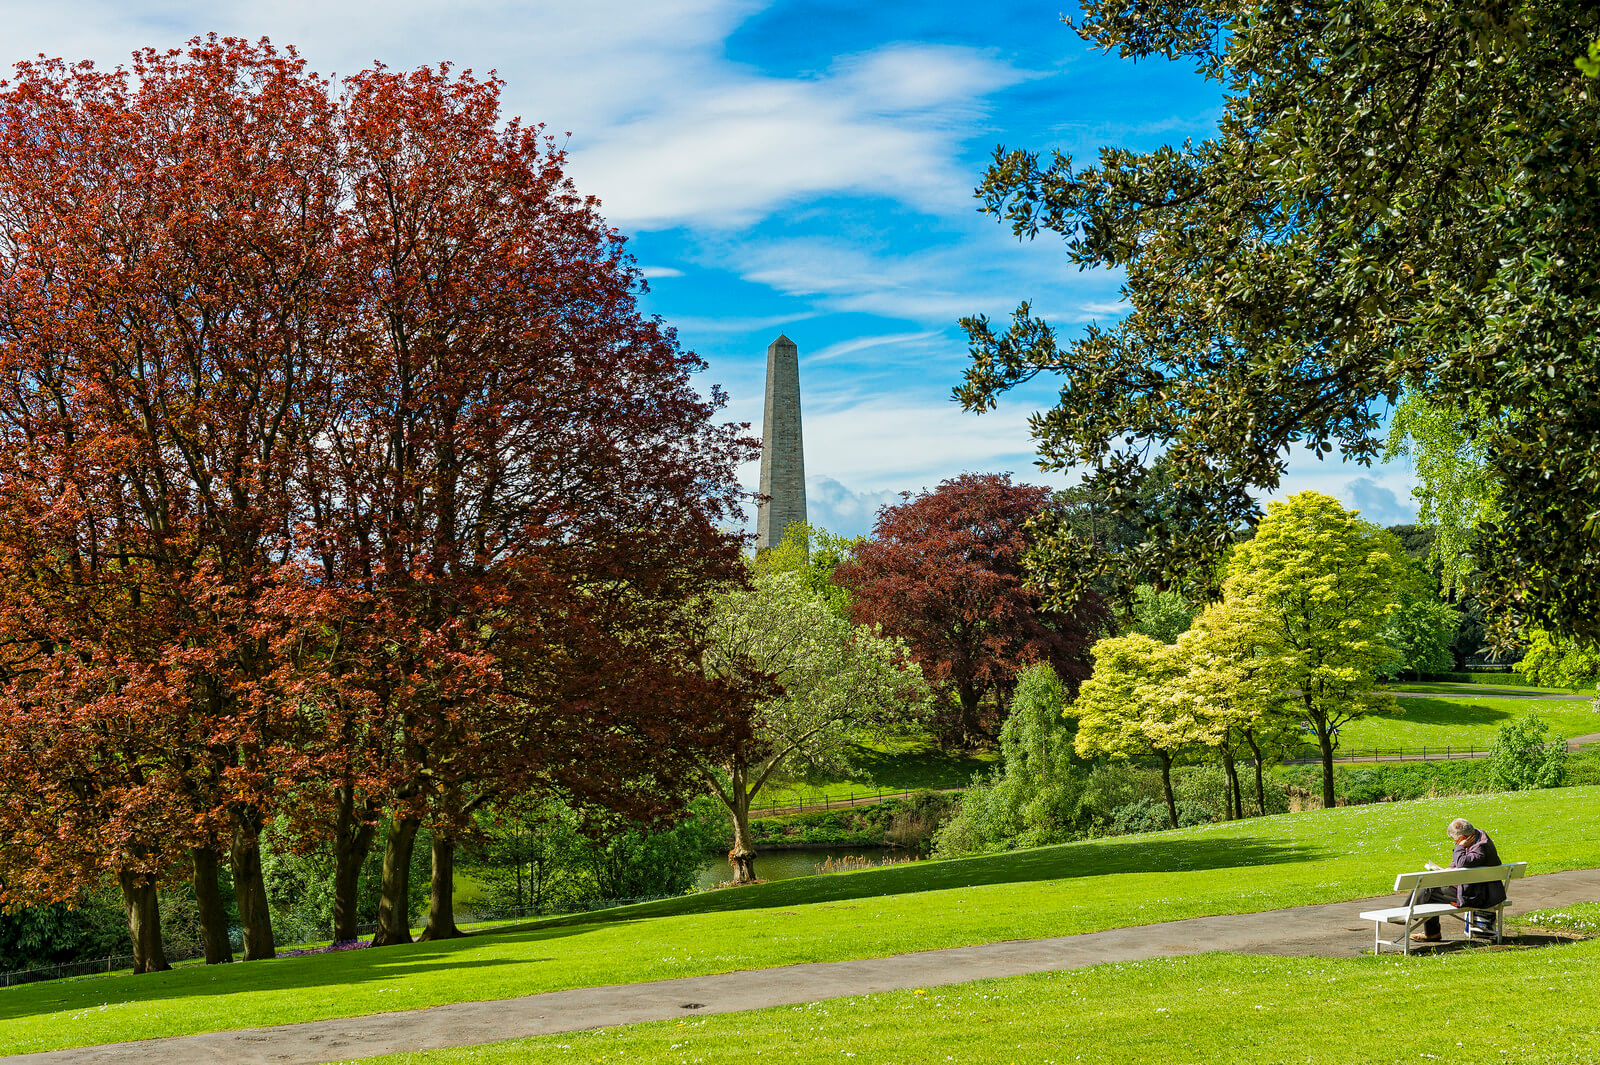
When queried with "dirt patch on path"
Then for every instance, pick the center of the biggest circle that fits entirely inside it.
(1325, 930)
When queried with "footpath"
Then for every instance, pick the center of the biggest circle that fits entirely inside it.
(1324, 930)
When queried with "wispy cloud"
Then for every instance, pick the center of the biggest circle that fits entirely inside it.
(737, 146)
(868, 343)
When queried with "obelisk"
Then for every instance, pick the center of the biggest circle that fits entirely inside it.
(783, 461)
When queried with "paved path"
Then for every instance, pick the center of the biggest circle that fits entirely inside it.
(1330, 930)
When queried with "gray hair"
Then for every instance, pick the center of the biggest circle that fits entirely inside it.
(1461, 827)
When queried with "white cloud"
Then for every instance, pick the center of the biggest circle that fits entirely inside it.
(739, 146)
(652, 272)
(869, 343)
(666, 129)
(985, 271)
(841, 510)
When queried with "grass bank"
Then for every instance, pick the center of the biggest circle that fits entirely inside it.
(1462, 720)
(1077, 887)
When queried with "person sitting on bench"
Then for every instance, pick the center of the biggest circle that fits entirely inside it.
(1473, 848)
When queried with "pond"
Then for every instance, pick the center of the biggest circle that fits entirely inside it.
(788, 864)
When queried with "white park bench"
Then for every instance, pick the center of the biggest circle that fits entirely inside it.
(1413, 914)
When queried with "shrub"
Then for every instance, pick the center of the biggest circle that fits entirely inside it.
(1524, 758)
(1150, 815)
(92, 926)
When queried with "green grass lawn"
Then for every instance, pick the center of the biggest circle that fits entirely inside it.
(898, 764)
(1462, 720)
(1526, 1005)
(1078, 887)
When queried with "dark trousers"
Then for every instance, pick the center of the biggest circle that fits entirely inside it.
(1448, 894)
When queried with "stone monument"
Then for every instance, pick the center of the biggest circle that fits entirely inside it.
(783, 461)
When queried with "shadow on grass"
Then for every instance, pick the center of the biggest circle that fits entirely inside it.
(913, 767)
(380, 965)
(1446, 713)
(1472, 691)
(1126, 854)
(525, 944)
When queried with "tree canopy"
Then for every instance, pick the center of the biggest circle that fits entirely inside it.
(1399, 198)
(340, 477)
(944, 571)
(818, 684)
(1318, 584)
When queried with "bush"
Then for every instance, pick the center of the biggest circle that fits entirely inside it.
(1524, 757)
(92, 926)
(1034, 796)
(913, 826)
(1150, 815)
(1389, 781)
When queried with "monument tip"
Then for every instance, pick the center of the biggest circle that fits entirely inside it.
(783, 340)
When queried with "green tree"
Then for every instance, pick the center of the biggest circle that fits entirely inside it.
(1032, 798)
(1456, 491)
(1525, 757)
(1398, 197)
(1160, 615)
(1555, 662)
(1231, 679)
(813, 553)
(1319, 582)
(1124, 710)
(530, 858)
(1421, 632)
(831, 682)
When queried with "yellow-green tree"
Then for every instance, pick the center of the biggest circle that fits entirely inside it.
(1125, 709)
(1231, 681)
(1319, 583)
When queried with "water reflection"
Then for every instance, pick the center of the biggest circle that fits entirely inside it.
(786, 865)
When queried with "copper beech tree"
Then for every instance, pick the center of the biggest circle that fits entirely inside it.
(519, 478)
(944, 572)
(340, 478)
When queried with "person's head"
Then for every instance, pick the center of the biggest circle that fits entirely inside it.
(1461, 829)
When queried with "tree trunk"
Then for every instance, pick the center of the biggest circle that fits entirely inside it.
(743, 856)
(1166, 786)
(352, 842)
(441, 900)
(250, 887)
(1325, 742)
(394, 908)
(208, 899)
(144, 921)
(1236, 800)
(1261, 791)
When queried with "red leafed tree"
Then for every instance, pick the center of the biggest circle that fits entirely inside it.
(520, 489)
(337, 465)
(944, 571)
(167, 309)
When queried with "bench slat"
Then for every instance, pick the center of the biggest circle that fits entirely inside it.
(1450, 877)
(1397, 914)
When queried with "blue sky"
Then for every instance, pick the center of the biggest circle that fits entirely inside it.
(797, 167)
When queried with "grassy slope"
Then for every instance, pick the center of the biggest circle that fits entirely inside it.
(1437, 721)
(1461, 721)
(901, 764)
(1325, 1011)
(1226, 868)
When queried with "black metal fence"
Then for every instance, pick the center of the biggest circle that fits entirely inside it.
(864, 797)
